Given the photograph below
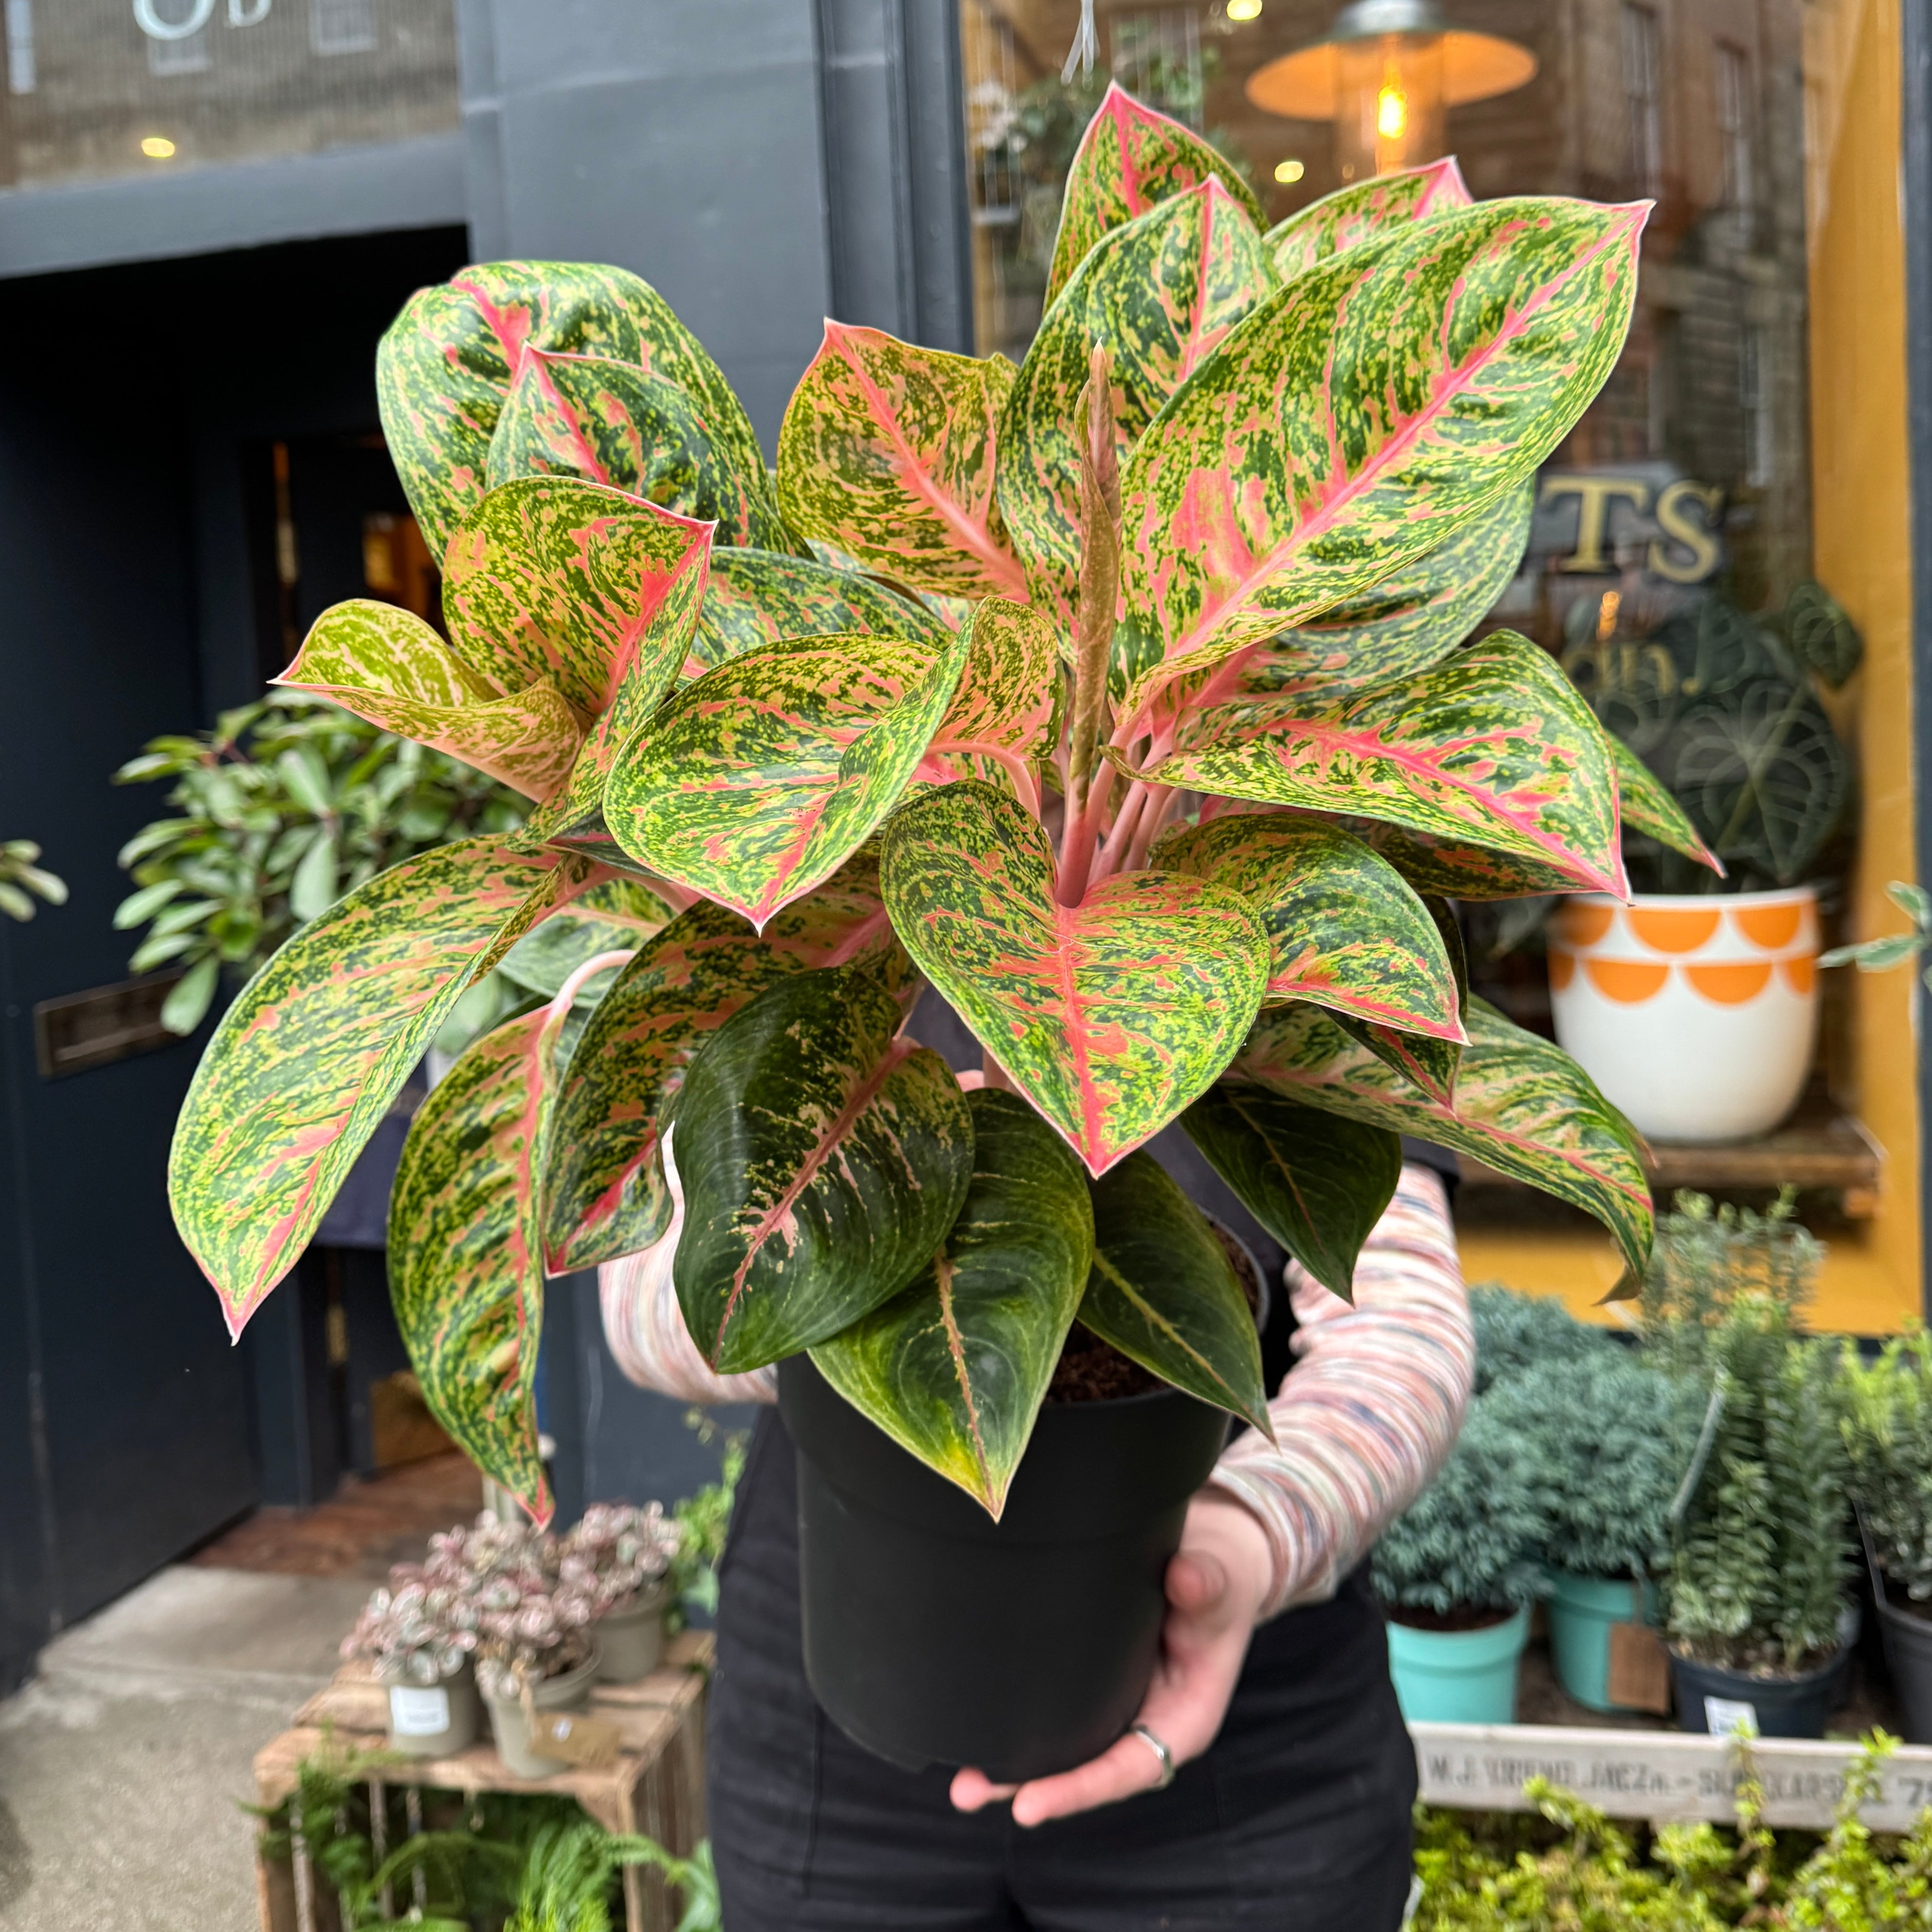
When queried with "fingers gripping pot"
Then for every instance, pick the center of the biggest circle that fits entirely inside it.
(933, 1634)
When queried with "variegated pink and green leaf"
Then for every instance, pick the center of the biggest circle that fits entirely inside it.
(617, 915)
(1110, 1016)
(1428, 1065)
(1406, 624)
(1317, 1182)
(1164, 1293)
(1344, 929)
(1360, 418)
(307, 1059)
(1003, 723)
(954, 1367)
(444, 365)
(823, 1160)
(1359, 212)
(466, 1261)
(1130, 159)
(1456, 870)
(550, 577)
(606, 1195)
(1493, 746)
(757, 598)
(1644, 804)
(763, 777)
(1160, 295)
(611, 422)
(385, 664)
(1522, 1106)
(888, 453)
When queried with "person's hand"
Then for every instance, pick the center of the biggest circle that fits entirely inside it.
(1216, 1585)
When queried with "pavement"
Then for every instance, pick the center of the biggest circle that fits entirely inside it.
(124, 1761)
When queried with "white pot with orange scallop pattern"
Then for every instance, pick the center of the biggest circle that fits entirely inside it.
(1695, 1016)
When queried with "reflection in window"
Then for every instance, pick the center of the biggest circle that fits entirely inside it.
(1733, 70)
(20, 46)
(1642, 62)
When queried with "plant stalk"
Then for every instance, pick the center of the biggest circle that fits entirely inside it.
(1093, 626)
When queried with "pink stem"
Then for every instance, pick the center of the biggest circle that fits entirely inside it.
(1153, 820)
(1120, 839)
(1077, 847)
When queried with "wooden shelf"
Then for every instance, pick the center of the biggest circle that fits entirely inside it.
(1820, 1149)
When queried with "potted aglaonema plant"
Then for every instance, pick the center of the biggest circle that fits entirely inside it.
(1887, 1423)
(623, 1555)
(1456, 1572)
(418, 1633)
(1124, 698)
(1615, 1437)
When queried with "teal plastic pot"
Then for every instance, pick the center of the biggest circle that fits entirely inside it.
(1457, 1677)
(1580, 1610)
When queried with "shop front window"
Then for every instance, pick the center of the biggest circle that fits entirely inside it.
(1703, 556)
(96, 89)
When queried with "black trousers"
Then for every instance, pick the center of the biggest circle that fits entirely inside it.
(1297, 1818)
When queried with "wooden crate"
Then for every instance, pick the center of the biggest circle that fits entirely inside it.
(656, 1786)
(1660, 1775)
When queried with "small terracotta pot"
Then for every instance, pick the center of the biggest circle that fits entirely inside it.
(1696, 1015)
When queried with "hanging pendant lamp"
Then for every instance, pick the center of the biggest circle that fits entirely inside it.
(1385, 74)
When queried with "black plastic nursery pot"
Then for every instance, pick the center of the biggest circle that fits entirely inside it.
(1907, 1637)
(1781, 1707)
(933, 1635)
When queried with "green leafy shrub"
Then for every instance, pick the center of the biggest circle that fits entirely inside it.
(21, 881)
(1707, 1259)
(1615, 1438)
(284, 807)
(1470, 1541)
(1762, 1561)
(1514, 1331)
(1888, 1430)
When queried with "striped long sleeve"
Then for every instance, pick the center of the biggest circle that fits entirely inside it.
(1363, 1421)
(1372, 1407)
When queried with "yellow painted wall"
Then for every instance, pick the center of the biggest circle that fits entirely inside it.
(1862, 551)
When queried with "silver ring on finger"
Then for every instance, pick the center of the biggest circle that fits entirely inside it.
(1160, 1750)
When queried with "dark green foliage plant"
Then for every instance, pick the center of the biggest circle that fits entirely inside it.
(704, 1518)
(1887, 1422)
(1516, 1331)
(568, 1874)
(22, 880)
(1615, 1438)
(1723, 706)
(1470, 1541)
(284, 806)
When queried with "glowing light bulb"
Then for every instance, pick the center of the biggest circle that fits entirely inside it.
(1391, 113)
(157, 147)
(1285, 172)
(1244, 10)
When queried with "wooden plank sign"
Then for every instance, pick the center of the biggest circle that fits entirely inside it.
(1660, 1775)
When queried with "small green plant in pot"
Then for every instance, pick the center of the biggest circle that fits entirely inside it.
(1457, 1571)
(1615, 1438)
(1888, 1429)
(1166, 818)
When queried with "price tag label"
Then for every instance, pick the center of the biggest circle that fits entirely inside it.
(418, 1711)
(1730, 1717)
(589, 1742)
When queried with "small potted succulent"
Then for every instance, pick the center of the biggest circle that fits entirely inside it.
(1128, 699)
(623, 1555)
(1888, 1430)
(1615, 1437)
(536, 1649)
(1456, 1572)
(419, 1632)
